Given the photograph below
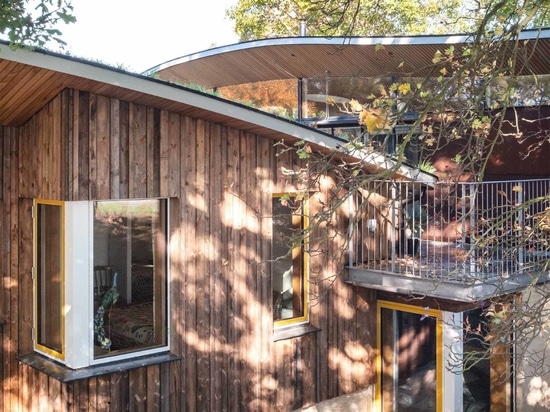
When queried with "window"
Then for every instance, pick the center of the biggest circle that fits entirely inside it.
(49, 279)
(427, 362)
(100, 280)
(289, 267)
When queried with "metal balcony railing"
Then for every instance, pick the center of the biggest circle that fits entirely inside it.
(456, 232)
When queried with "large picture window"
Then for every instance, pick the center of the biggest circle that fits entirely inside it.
(101, 282)
(289, 266)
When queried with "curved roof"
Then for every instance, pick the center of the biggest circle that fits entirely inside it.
(307, 57)
(30, 79)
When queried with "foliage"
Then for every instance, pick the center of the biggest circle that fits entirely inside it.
(276, 96)
(256, 19)
(466, 109)
(33, 22)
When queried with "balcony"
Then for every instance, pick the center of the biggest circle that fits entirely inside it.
(462, 241)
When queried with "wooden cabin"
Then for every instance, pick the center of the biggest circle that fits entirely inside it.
(139, 222)
(145, 261)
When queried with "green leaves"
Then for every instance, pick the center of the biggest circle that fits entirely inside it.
(277, 18)
(26, 26)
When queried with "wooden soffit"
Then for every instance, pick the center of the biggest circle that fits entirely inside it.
(311, 57)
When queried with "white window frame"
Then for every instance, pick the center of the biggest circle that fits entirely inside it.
(78, 296)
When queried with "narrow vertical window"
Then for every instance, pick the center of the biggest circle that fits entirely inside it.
(289, 267)
(48, 277)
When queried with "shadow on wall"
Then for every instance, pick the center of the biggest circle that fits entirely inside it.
(354, 402)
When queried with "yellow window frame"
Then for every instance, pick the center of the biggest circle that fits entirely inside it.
(37, 277)
(301, 221)
(433, 313)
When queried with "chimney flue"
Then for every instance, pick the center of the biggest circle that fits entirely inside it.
(303, 28)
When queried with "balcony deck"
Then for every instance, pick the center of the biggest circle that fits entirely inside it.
(477, 240)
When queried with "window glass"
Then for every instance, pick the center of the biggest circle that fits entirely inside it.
(409, 362)
(129, 276)
(49, 277)
(289, 267)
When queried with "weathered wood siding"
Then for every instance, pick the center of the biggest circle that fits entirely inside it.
(84, 147)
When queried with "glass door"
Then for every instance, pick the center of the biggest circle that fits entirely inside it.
(410, 358)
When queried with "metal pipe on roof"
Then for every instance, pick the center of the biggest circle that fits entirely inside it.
(302, 28)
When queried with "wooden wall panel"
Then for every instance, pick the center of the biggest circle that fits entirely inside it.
(102, 148)
(137, 147)
(114, 149)
(83, 146)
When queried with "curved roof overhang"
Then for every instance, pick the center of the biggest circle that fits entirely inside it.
(309, 57)
(30, 79)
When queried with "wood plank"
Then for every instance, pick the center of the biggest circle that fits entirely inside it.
(54, 394)
(67, 132)
(189, 216)
(175, 387)
(83, 147)
(249, 245)
(137, 151)
(217, 283)
(165, 389)
(11, 330)
(57, 144)
(115, 149)
(40, 149)
(234, 271)
(103, 148)
(69, 397)
(124, 170)
(223, 301)
(174, 382)
(174, 155)
(93, 404)
(265, 190)
(42, 390)
(92, 148)
(202, 268)
(115, 393)
(25, 225)
(308, 369)
(138, 390)
(153, 152)
(164, 147)
(153, 388)
(74, 163)
(103, 393)
(82, 398)
(27, 392)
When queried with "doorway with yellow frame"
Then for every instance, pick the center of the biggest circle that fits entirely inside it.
(416, 346)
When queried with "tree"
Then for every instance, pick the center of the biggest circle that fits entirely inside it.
(276, 96)
(33, 23)
(468, 107)
(256, 19)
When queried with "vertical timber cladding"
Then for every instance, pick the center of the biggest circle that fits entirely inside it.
(83, 146)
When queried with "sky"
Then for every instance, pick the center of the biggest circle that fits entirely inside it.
(137, 35)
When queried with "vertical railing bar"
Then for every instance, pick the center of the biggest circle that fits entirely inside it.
(463, 192)
(393, 245)
(473, 211)
(353, 220)
(521, 222)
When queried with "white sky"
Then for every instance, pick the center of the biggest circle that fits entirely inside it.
(138, 34)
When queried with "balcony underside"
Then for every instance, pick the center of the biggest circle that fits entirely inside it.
(473, 290)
